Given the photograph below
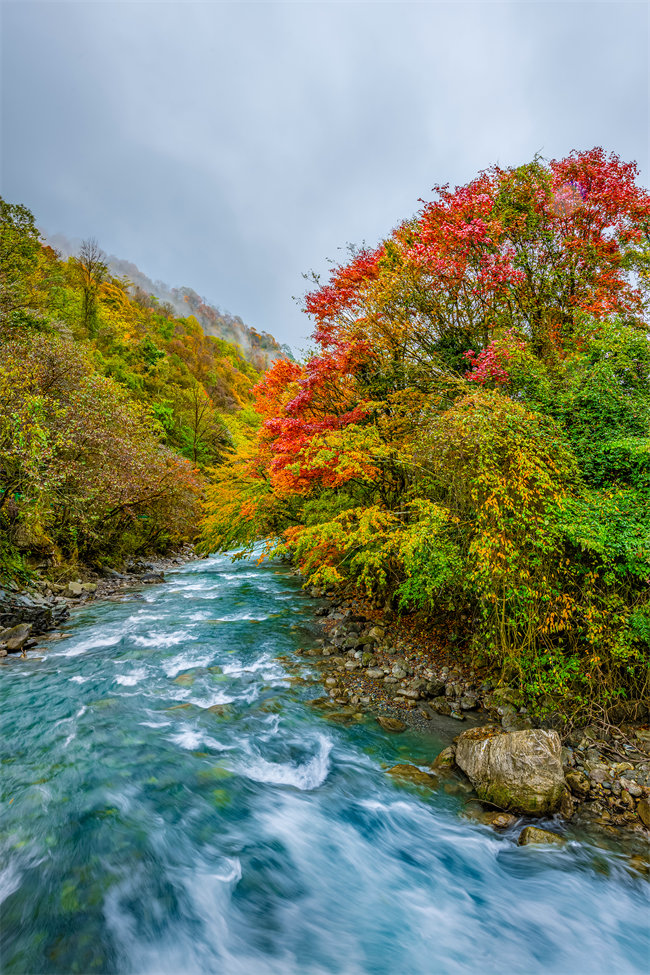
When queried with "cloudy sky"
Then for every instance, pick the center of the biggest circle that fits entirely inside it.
(230, 147)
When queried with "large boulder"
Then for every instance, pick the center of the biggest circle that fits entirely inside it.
(520, 771)
(15, 638)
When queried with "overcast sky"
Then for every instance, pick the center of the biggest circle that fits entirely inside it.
(230, 147)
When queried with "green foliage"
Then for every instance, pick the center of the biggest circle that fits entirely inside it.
(111, 409)
(20, 248)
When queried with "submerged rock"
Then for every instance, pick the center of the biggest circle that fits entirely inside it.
(411, 773)
(519, 771)
(391, 724)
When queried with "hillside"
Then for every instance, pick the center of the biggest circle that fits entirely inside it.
(259, 347)
(113, 407)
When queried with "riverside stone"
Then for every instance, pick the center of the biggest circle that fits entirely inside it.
(632, 787)
(16, 637)
(445, 760)
(375, 634)
(531, 835)
(519, 771)
(440, 705)
(514, 722)
(643, 812)
(578, 783)
(391, 724)
(499, 820)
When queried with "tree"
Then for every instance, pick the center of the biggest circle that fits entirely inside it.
(92, 269)
(20, 246)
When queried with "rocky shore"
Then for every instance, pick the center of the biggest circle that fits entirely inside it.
(509, 771)
(27, 614)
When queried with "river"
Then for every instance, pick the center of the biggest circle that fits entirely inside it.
(170, 804)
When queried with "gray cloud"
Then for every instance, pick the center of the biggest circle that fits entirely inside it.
(232, 146)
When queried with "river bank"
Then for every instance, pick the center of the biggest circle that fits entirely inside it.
(29, 613)
(370, 662)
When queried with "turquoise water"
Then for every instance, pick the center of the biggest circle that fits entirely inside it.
(171, 805)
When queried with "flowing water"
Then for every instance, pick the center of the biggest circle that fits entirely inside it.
(170, 804)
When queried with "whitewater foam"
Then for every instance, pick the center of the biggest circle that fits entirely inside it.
(305, 777)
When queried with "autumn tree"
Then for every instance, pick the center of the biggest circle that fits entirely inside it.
(92, 269)
(471, 431)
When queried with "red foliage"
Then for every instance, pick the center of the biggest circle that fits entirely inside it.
(491, 364)
(525, 247)
(343, 293)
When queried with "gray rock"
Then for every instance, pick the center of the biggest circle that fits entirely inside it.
(519, 771)
(152, 577)
(375, 634)
(515, 722)
(468, 702)
(435, 688)
(632, 787)
(44, 613)
(440, 705)
(375, 672)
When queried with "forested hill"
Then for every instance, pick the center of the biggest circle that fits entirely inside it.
(113, 407)
(259, 347)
